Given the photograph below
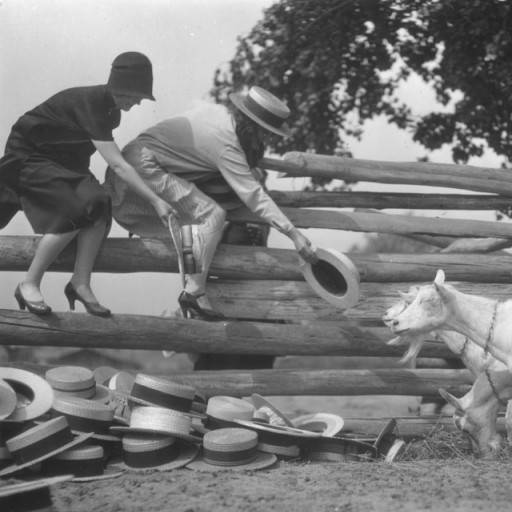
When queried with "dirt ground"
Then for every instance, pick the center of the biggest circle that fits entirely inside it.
(428, 485)
(418, 482)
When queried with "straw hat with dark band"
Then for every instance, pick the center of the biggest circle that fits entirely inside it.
(143, 452)
(34, 394)
(40, 443)
(232, 449)
(263, 108)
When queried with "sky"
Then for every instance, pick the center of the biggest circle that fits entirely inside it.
(49, 45)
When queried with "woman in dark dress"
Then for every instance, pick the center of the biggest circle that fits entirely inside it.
(45, 172)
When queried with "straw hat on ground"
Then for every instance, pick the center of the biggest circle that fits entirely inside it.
(86, 416)
(34, 495)
(76, 381)
(85, 462)
(338, 449)
(280, 440)
(267, 410)
(334, 278)
(34, 395)
(8, 400)
(231, 449)
(159, 421)
(156, 391)
(224, 412)
(146, 452)
(324, 423)
(40, 443)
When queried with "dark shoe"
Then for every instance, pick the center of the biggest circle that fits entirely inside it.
(94, 308)
(191, 309)
(37, 307)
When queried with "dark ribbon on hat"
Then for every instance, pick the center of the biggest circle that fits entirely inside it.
(212, 423)
(88, 424)
(232, 458)
(77, 467)
(37, 499)
(276, 439)
(264, 114)
(151, 458)
(42, 447)
(157, 397)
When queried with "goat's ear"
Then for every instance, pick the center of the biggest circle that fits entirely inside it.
(451, 400)
(439, 279)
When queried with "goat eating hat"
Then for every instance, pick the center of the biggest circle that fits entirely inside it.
(263, 108)
(34, 394)
(333, 277)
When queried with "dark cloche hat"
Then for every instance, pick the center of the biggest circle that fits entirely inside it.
(132, 74)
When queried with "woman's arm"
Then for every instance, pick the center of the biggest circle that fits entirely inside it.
(233, 167)
(112, 155)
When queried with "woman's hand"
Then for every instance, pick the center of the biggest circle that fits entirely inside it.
(163, 210)
(303, 246)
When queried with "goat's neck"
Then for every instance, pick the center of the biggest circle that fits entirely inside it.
(474, 317)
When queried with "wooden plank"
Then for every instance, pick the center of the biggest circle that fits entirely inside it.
(425, 382)
(378, 223)
(241, 262)
(387, 200)
(158, 333)
(295, 300)
(497, 181)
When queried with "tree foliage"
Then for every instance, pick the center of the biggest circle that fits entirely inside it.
(338, 63)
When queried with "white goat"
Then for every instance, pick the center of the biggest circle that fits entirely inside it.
(440, 306)
(431, 306)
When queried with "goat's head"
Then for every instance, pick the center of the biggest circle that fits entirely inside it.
(477, 421)
(428, 311)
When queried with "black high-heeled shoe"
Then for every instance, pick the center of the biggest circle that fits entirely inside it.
(93, 308)
(191, 309)
(38, 307)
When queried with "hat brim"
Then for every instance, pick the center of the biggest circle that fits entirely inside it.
(102, 374)
(8, 400)
(262, 461)
(338, 449)
(278, 429)
(324, 423)
(341, 296)
(32, 485)
(238, 100)
(188, 452)
(259, 402)
(151, 404)
(20, 380)
(107, 474)
(14, 468)
(160, 432)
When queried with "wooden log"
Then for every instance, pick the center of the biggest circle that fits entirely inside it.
(329, 382)
(425, 382)
(497, 181)
(378, 223)
(477, 245)
(239, 262)
(294, 300)
(387, 200)
(158, 333)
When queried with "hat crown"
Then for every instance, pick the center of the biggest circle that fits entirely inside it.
(160, 418)
(262, 107)
(229, 408)
(132, 74)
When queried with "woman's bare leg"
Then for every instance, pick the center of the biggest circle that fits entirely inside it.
(89, 242)
(49, 247)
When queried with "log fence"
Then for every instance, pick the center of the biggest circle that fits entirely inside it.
(271, 309)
